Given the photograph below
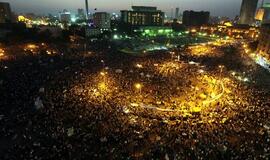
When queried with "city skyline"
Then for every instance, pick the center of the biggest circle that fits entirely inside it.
(229, 8)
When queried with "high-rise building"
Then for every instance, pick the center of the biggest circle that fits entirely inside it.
(247, 12)
(193, 18)
(263, 13)
(81, 14)
(65, 16)
(102, 20)
(5, 12)
(177, 13)
(143, 16)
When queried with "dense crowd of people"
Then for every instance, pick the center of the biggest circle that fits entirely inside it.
(93, 107)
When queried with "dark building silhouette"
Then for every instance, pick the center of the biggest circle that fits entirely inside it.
(65, 16)
(81, 14)
(247, 12)
(102, 20)
(5, 12)
(143, 16)
(177, 27)
(176, 13)
(193, 18)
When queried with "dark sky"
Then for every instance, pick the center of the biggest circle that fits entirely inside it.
(216, 7)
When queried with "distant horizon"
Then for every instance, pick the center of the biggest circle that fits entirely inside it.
(228, 8)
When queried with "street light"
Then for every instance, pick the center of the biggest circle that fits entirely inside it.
(221, 68)
(102, 73)
(103, 63)
(138, 86)
(139, 65)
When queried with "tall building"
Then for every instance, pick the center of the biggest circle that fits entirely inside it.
(65, 16)
(263, 13)
(5, 12)
(102, 20)
(247, 12)
(193, 18)
(143, 16)
(176, 13)
(81, 14)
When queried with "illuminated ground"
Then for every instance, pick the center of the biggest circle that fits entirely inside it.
(184, 91)
(185, 106)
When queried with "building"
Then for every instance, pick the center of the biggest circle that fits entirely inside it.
(259, 14)
(102, 20)
(263, 13)
(81, 14)
(92, 32)
(233, 31)
(176, 13)
(155, 31)
(247, 12)
(264, 43)
(193, 18)
(143, 16)
(65, 16)
(5, 12)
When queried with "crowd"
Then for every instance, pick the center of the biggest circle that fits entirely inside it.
(92, 107)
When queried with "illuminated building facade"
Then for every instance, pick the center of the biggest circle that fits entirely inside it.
(263, 13)
(247, 12)
(102, 20)
(260, 14)
(5, 12)
(227, 29)
(156, 31)
(264, 41)
(143, 16)
(193, 18)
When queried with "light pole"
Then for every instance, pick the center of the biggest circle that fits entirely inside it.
(221, 69)
(103, 74)
(138, 86)
(103, 63)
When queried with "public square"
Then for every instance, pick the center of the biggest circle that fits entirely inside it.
(204, 101)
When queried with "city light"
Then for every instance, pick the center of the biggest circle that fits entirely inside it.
(23, 19)
(141, 83)
(169, 68)
(102, 73)
(138, 86)
(139, 66)
(2, 52)
(115, 36)
(32, 46)
(201, 50)
(73, 19)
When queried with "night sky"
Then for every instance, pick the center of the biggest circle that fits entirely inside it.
(216, 7)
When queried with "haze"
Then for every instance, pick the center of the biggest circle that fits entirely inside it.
(228, 8)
